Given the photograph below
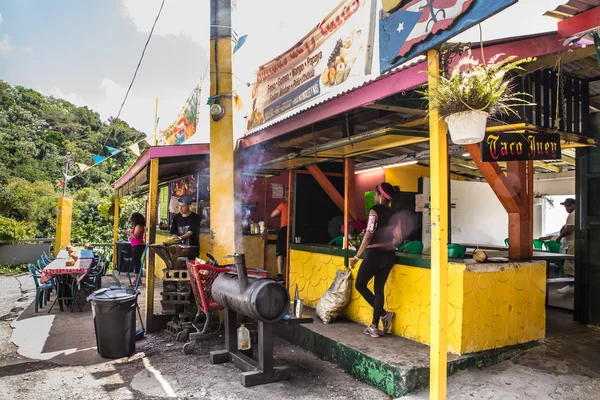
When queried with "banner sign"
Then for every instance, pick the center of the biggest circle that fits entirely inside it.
(327, 61)
(520, 147)
(184, 126)
(419, 25)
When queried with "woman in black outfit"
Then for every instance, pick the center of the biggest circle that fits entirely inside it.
(382, 236)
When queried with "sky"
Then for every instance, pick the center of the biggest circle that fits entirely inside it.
(86, 51)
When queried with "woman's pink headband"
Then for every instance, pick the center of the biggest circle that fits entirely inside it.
(387, 196)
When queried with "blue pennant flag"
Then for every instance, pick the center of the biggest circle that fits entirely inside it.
(98, 159)
(113, 151)
(240, 43)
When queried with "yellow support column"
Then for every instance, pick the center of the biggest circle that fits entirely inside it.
(116, 229)
(63, 224)
(438, 142)
(224, 198)
(150, 257)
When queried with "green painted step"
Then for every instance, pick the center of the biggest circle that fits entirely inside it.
(395, 365)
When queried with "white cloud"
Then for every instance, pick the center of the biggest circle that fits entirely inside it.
(1, 19)
(27, 50)
(70, 97)
(5, 45)
(183, 17)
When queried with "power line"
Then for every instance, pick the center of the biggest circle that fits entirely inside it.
(138, 65)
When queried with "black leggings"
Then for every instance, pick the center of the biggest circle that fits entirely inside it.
(376, 263)
(136, 257)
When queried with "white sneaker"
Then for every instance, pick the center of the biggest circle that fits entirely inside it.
(569, 289)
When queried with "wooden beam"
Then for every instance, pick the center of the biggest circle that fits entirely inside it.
(289, 226)
(439, 240)
(328, 187)
(349, 196)
(302, 172)
(117, 211)
(546, 166)
(399, 109)
(151, 263)
(519, 229)
(585, 21)
(497, 180)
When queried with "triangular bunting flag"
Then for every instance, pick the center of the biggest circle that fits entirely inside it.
(59, 183)
(69, 177)
(112, 150)
(135, 149)
(237, 100)
(82, 167)
(149, 140)
(240, 43)
(98, 159)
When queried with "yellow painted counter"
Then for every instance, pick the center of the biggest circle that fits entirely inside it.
(490, 305)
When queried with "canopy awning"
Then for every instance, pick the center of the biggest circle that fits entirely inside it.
(175, 162)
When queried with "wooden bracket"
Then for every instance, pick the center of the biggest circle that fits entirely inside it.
(328, 187)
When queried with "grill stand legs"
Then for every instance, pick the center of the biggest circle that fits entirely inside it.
(254, 373)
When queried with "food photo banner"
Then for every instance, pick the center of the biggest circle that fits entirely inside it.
(520, 147)
(184, 127)
(327, 61)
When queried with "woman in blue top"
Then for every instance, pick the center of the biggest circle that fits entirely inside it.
(383, 235)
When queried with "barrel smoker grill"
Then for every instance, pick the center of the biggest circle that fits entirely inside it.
(259, 298)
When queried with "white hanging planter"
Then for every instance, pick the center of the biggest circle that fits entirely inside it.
(467, 127)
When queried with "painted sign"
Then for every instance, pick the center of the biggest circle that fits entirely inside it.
(520, 147)
(419, 25)
(184, 126)
(327, 61)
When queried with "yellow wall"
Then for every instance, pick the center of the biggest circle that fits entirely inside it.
(486, 310)
(407, 176)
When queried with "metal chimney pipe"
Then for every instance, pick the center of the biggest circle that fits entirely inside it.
(240, 263)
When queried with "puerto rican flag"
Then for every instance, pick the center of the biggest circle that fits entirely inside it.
(415, 21)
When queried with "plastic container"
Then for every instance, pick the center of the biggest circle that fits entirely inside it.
(243, 338)
(467, 127)
(456, 251)
(113, 310)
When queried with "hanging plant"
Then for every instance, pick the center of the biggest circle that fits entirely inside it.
(542, 198)
(473, 92)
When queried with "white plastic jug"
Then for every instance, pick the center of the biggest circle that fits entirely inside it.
(243, 338)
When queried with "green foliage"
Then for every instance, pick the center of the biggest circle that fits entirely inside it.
(36, 133)
(478, 87)
(11, 229)
(9, 269)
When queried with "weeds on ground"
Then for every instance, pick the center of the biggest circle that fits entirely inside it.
(12, 269)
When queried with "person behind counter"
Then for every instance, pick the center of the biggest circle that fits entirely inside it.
(282, 238)
(186, 224)
(383, 235)
(138, 243)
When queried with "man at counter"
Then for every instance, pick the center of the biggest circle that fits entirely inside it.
(282, 238)
(186, 224)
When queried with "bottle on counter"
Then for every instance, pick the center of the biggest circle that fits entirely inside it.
(243, 338)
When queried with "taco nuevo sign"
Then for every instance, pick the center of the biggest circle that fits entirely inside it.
(325, 62)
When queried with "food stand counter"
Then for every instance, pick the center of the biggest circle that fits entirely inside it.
(490, 305)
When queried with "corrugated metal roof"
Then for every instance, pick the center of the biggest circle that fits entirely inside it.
(335, 94)
(572, 8)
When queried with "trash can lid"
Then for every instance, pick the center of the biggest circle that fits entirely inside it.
(114, 294)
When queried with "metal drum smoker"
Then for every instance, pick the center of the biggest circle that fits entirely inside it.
(259, 298)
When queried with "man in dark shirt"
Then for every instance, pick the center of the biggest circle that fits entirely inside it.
(186, 224)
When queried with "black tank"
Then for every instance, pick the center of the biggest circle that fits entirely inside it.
(385, 229)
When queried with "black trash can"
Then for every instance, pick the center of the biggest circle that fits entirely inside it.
(114, 321)
(123, 251)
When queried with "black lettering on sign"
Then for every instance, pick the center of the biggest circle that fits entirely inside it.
(520, 147)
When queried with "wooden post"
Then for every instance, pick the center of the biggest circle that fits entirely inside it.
(63, 223)
(151, 257)
(439, 240)
(224, 176)
(289, 228)
(116, 213)
(349, 198)
(266, 231)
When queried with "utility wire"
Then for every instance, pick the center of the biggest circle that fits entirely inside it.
(138, 66)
